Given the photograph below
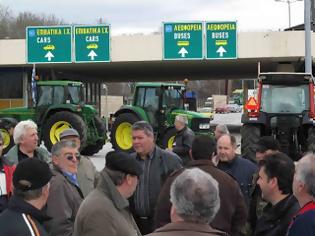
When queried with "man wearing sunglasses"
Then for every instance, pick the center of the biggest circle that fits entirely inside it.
(86, 170)
(65, 195)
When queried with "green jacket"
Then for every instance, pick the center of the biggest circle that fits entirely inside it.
(11, 158)
(105, 212)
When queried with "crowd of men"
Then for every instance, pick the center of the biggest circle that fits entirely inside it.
(200, 186)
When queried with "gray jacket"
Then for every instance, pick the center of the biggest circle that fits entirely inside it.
(105, 212)
(62, 205)
(163, 163)
(87, 175)
(11, 158)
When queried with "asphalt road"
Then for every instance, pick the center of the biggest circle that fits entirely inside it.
(232, 120)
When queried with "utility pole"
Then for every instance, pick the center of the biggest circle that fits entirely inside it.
(307, 27)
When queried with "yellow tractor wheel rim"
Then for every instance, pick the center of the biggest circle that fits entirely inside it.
(6, 138)
(56, 129)
(170, 141)
(123, 136)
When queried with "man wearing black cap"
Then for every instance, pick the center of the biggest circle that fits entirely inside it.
(31, 189)
(105, 211)
(87, 173)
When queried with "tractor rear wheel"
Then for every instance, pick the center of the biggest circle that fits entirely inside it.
(169, 138)
(121, 138)
(91, 149)
(59, 122)
(250, 135)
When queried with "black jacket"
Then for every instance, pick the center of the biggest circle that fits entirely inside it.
(182, 144)
(275, 219)
(22, 219)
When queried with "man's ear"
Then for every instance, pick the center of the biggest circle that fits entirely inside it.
(128, 179)
(55, 160)
(300, 186)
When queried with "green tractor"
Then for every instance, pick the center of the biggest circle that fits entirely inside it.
(157, 103)
(59, 106)
(284, 109)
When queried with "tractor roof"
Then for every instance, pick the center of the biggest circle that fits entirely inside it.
(158, 84)
(59, 82)
(285, 78)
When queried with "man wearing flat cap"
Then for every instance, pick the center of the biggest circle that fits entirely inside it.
(105, 211)
(87, 173)
(31, 189)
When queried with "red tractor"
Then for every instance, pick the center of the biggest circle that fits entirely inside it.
(284, 109)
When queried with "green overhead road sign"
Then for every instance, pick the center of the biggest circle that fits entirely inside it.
(221, 40)
(49, 44)
(91, 43)
(183, 41)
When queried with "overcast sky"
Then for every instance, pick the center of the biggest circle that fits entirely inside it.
(134, 16)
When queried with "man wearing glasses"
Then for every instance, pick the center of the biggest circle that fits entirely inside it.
(65, 196)
(87, 173)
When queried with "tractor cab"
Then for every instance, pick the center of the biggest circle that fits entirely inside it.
(283, 109)
(157, 100)
(59, 92)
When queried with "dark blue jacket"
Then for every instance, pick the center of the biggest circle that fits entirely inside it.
(304, 223)
(22, 219)
(242, 170)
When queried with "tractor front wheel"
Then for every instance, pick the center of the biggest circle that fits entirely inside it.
(6, 130)
(169, 138)
(121, 138)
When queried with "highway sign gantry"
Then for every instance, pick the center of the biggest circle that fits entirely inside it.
(49, 44)
(182, 41)
(221, 40)
(92, 43)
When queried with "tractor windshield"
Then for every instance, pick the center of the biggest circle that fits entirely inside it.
(75, 94)
(172, 98)
(284, 99)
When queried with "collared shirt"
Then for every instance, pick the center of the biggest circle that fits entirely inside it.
(141, 195)
(72, 177)
(22, 156)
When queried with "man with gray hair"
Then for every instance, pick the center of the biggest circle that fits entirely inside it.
(156, 164)
(304, 190)
(26, 144)
(195, 202)
(220, 129)
(65, 196)
(183, 138)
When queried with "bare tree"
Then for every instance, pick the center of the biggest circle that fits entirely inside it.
(5, 21)
(14, 26)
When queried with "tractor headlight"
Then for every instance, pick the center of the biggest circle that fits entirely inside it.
(204, 126)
